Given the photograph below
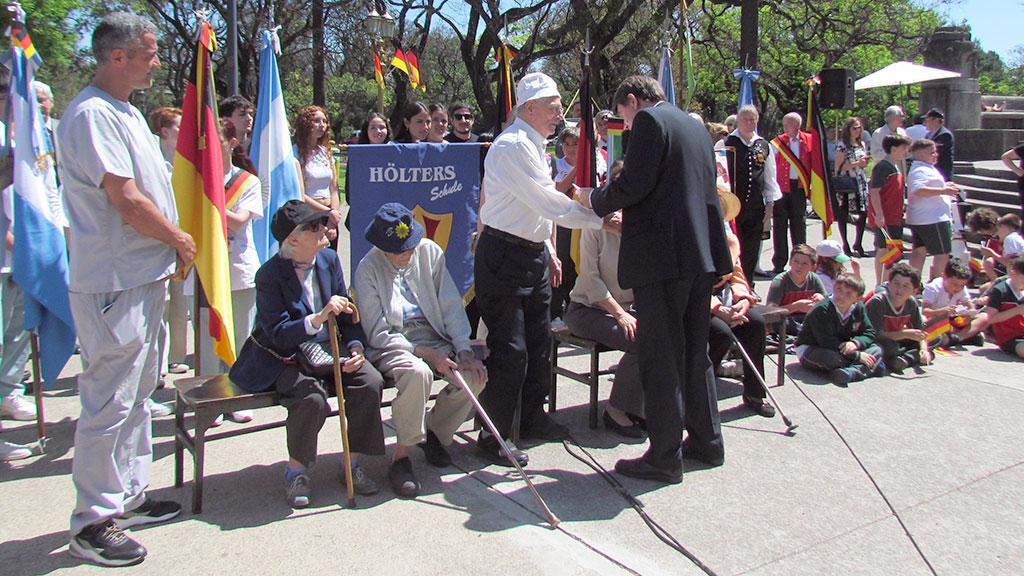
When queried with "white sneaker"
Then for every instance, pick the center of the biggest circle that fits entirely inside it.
(241, 416)
(217, 421)
(10, 452)
(16, 407)
(558, 324)
(158, 410)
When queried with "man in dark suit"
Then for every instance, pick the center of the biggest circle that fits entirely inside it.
(935, 122)
(297, 289)
(673, 249)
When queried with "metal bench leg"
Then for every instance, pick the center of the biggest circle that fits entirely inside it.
(553, 393)
(595, 377)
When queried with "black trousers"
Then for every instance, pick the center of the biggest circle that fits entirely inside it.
(789, 213)
(673, 320)
(751, 336)
(749, 229)
(513, 293)
(560, 295)
(306, 400)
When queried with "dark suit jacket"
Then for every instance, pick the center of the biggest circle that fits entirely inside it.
(944, 144)
(672, 221)
(281, 310)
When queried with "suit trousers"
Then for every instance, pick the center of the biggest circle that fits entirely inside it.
(595, 324)
(305, 398)
(673, 319)
(751, 336)
(789, 214)
(118, 334)
(414, 379)
(513, 292)
(749, 229)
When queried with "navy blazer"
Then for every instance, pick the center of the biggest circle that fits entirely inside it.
(671, 220)
(281, 310)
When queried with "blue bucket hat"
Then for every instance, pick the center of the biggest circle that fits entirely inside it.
(393, 229)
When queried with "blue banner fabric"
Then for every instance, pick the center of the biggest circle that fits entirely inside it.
(440, 183)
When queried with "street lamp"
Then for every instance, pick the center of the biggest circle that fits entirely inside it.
(381, 29)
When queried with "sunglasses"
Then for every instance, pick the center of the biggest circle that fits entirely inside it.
(314, 226)
(463, 116)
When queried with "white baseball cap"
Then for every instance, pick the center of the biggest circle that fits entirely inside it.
(832, 249)
(535, 85)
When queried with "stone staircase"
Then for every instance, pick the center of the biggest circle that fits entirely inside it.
(988, 184)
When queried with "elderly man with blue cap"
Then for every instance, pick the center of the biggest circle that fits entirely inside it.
(416, 329)
(513, 282)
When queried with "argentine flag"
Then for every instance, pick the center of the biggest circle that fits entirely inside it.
(272, 148)
(40, 253)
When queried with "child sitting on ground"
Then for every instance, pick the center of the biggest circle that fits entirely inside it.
(897, 320)
(837, 337)
(832, 262)
(1007, 230)
(947, 297)
(1006, 308)
(797, 289)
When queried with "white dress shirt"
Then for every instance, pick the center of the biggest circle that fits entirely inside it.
(520, 196)
(770, 191)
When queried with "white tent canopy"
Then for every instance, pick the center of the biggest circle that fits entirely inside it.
(900, 73)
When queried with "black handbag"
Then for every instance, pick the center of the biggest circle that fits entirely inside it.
(845, 185)
(315, 359)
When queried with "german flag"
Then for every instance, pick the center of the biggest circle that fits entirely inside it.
(198, 179)
(506, 92)
(976, 265)
(893, 247)
(398, 61)
(820, 190)
(939, 328)
(414, 71)
(378, 73)
(21, 39)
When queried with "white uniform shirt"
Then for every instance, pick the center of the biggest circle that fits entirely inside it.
(242, 255)
(927, 209)
(520, 196)
(103, 135)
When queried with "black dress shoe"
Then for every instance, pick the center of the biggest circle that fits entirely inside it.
(545, 430)
(403, 480)
(435, 452)
(759, 406)
(637, 468)
(711, 457)
(490, 449)
(631, 431)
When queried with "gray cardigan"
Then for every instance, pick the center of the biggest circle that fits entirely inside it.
(380, 313)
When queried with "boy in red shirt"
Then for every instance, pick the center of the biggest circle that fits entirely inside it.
(1006, 308)
(885, 196)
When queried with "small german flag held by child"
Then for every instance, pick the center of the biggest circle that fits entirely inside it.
(976, 265)
(939, 328)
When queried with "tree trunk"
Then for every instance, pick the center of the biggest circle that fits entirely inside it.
(749, 38)
(319, 97)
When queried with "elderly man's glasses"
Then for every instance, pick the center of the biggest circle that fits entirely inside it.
(315, 226)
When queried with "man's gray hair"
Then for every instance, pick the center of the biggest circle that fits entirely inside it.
(892, 112)
(42, 87)
(285, 248)
(794, 116)
(122, 30)
(748, 109)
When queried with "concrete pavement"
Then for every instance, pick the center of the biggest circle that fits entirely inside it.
(912, 474)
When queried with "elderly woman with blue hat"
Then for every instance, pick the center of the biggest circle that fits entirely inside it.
(297, 289)
(416, 329)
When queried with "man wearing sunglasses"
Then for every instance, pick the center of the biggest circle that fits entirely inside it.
(462, 125)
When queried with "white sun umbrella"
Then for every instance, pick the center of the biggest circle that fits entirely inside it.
(901, 73)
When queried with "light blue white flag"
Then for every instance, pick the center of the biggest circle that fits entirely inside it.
(665, 75)
(272, 147)
(747, 79)
(40, 252)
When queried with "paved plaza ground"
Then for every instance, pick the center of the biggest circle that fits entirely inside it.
(914, 474)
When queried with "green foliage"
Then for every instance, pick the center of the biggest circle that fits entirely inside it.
(349, 98)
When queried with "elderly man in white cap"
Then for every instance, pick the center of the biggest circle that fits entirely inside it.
(513, 286)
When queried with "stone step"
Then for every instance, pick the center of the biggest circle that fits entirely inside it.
(1007, 102)
(1003, 196)
(1013, 120)
(979, 181)
(993, 170)
(999, 207)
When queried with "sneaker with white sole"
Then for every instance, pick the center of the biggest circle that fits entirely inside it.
(361, 483)
(298, 491)
(150, 512)
(9, 452)
(107, 545)
(158, 410)
(240, 416)
(16, 407)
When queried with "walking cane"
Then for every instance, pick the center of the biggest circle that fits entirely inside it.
(552, 519)
(332, 327)
(750, 364)
(38, 392)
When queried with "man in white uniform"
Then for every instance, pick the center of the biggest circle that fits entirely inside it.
(124, 244)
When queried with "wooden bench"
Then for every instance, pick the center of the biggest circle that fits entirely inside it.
(590, 378)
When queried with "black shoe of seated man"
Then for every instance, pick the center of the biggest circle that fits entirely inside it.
(631, 431)
(403, 480)
(544, 429)
(710, 456)
(150, 512)
(490, 449)
(435, 452)
(107, 545)
(759, 406)
(638, 468)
